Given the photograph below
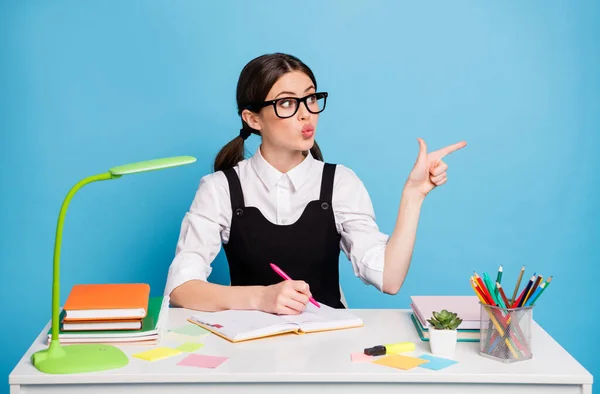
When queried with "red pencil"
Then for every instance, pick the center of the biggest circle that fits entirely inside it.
(501, 291)
(484, 288)
(481, 293)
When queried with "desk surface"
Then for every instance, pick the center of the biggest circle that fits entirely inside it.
(323, 357)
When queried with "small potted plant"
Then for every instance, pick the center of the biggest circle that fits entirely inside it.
(442, 333)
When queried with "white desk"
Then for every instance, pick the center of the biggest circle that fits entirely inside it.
(320, 362)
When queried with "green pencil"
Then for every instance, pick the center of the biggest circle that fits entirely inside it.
(499, 277)
(491, 288)
(498, 280)
(543, 286)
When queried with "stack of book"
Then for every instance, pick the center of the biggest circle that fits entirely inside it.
(467, 307)
(111, 313)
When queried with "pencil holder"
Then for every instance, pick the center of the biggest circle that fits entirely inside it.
(505, 333)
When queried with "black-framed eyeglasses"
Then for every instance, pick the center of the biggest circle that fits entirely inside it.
(286, 107)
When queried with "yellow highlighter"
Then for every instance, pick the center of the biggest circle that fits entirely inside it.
(392, 348)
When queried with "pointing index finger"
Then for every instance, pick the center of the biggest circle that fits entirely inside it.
(451, 148)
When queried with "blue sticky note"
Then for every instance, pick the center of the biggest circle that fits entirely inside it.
(436, 363)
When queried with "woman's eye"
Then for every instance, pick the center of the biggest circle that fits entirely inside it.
(312, 99)
(285, 103)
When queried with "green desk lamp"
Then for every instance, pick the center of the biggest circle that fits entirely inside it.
(88, 357)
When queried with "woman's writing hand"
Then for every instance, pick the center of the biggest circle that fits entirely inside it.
(288, 297)
(429, 170)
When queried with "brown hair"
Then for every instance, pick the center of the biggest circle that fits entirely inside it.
(255, 81)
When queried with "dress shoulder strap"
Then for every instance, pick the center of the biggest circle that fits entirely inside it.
(327, 182)
(235, 189)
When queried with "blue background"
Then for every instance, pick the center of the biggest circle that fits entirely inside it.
(89, 85)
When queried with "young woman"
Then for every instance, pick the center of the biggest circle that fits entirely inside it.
(285, 206)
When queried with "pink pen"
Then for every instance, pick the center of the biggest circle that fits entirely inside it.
(286, 277)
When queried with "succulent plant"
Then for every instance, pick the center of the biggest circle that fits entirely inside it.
(445, 320)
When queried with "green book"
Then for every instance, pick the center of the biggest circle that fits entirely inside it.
(151, 324)
(469, 335)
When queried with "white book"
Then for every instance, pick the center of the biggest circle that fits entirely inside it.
(467, 308)
(151, 333)
(242, 325)
(102, 325)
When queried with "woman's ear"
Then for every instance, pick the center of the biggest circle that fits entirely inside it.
(251, 119)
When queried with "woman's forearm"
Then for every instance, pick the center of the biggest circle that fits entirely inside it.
(399, 249)
(210, 297)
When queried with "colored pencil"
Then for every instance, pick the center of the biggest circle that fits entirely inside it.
(514, 304)
(480, 293)
(526, 290)
(535, 285)
(499, 276)
(535, 294)
(491, 288)
(481, 297)
(482, 286)
(502, 295)
(543, 287)
(498, 280)
(513, 299)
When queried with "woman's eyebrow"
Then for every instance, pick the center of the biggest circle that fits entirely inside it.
(292, 93)
(286, 93)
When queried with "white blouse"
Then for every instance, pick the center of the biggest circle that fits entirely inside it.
(281, 198)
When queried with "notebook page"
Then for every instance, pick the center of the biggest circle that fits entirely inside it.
(238, 325)
(323, 318)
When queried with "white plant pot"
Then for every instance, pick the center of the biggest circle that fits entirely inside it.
(442, 342)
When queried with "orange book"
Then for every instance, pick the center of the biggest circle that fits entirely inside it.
(124, 301)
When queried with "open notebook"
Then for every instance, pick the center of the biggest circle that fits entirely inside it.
(242, 325)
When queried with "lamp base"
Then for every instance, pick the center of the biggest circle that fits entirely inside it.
(79, 358)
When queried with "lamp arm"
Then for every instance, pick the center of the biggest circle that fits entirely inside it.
(57, 244)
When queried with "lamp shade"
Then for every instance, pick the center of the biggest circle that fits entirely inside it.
(151, 165)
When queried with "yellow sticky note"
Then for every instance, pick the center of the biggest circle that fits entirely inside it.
(399, 361)
(189, 347)
(157, 354)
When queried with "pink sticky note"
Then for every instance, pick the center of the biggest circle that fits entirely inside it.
(202, 361)
(360, 357)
